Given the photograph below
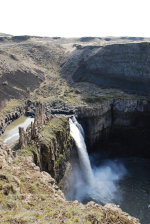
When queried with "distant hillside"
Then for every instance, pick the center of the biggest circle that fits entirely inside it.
(69, 71)
(4, 35)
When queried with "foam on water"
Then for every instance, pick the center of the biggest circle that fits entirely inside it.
(97, 183)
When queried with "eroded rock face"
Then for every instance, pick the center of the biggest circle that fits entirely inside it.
(57, 149)
(28, 108)
(23, 187)
(8, 118)
(33, 132)
(50, 142)
(122, 66)
(124, 121)
(117, 127)
(95, 120)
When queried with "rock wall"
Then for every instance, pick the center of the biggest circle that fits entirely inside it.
(33, 132)
(8, 118)
(28, 108)
(124, 121)
(57, 148)
(37, 191)
(122, 66)
(114, 122)
(49, 140)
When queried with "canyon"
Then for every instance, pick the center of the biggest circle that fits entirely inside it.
(103, 82)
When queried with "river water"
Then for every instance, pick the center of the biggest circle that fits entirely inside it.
(11, 134)
(135, 188)
(123, 181)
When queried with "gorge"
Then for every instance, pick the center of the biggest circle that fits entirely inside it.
(89, 103)
(115, 155)
(110, 180)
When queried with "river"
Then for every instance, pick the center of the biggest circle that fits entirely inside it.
(11, 134)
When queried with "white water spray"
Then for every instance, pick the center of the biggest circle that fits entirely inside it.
(99, 183)
(77, 133)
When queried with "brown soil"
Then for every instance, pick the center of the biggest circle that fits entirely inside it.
(30, 196)
(30, 67)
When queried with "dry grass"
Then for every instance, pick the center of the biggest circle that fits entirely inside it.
(28, 196)
(10, 106)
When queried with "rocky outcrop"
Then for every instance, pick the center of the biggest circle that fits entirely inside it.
(31, 196)
(6, 155)
(49, 140)
(28, 108)
(57, 148)
(33, 132)
(122, 66)
(124, 121)
(8, 118)
(119, 119)
(22, 138)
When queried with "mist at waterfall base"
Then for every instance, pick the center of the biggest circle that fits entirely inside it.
(89, 182)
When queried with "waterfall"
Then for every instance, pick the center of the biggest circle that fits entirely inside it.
(99, 183)
(77, 133)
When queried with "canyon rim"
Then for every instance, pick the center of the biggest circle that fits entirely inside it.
(105, 84)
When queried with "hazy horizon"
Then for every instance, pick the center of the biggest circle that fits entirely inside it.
(10, 34)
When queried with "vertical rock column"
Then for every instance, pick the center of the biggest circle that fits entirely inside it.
(32, 134)
(22, 138)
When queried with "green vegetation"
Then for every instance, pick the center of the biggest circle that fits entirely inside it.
(94, 100)
(55, 128)
(28, 151)
(61, 156)
(34, 201)
(21, 187)
(34, 188)
(13, 125)
(16, 122)
(16, 161)
(10, 106)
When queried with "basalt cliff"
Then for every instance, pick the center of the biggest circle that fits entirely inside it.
(105, 83)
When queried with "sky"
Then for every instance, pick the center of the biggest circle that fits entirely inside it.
(75, 18)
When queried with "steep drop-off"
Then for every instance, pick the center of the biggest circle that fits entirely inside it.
(118, 127)
(103, 81)
(57, 148)
(123, 66)
(67, 72)
(28, 195)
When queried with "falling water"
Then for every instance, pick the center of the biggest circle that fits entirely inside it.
(77, 133)
(97, 183)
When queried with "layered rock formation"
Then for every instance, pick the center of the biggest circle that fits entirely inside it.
(57, 148)
(59, 70)
(122, 66)
(9, 117)
(89, 77)
(50, 138)
(33, 132)
(118, 120)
